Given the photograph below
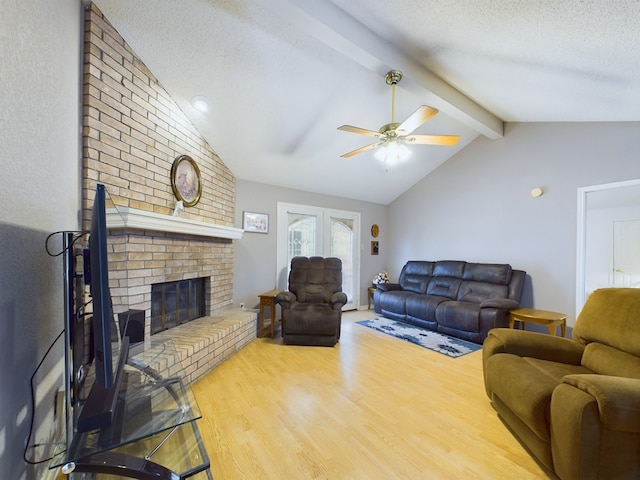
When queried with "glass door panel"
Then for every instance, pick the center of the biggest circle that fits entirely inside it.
(341, 231)
(308, 231)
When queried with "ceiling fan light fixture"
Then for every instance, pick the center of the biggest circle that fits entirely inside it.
(392, 152)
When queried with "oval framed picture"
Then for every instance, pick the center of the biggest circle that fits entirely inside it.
(186, 181)
(375, 230)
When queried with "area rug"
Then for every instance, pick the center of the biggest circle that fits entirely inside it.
(438, 342)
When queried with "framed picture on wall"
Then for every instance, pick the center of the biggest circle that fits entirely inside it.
(374, 248)
(185, 180)
(255, 222)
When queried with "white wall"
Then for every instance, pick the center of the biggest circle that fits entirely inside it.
(477, 206)
(40, 132)
(255, 254)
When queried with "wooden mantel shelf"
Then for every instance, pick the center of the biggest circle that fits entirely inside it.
(125, 218)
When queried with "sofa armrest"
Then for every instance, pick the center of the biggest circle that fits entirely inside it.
(501, 303)
(532, 344)
(285, 299)
(592, 414)
(387, 287)
(618, 399)
(338, 300)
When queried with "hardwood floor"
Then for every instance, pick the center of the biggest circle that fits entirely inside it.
(373, 407)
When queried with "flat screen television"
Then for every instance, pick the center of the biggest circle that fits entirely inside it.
(98, 409)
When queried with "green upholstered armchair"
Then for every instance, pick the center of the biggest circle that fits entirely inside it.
(312, 307)
(574, 403)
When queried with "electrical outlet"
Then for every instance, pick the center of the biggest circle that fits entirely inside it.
(242, 305)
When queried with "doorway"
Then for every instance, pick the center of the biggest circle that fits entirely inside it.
(608, 238)
(314, 231)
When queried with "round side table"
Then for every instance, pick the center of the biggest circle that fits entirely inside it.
(540, 317)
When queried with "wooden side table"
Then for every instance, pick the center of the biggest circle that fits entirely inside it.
(370, 291)
(540, 317)
(267, 299)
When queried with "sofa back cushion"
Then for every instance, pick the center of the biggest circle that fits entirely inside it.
(315, 279)
(478, 292)
(611, 316)
(444, 287)
(449, 268)
(447, 276)
(415, 276)
(499, 273)
(606, 360)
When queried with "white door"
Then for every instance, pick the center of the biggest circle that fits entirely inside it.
(305, 230)
(626, 253)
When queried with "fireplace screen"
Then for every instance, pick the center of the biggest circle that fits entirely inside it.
(175, 303)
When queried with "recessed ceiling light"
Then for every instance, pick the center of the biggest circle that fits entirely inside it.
(200, 103)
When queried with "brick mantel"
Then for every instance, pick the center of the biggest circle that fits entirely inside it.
(131, 218)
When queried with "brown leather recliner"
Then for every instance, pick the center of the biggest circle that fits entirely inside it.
(574, 403)
(312, 308)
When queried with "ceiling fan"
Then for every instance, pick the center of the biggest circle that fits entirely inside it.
(393, 136)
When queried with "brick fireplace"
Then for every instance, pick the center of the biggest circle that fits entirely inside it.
(148, 248)
(132, 132)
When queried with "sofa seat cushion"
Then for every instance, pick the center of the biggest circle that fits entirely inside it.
(396, 301)
(424, 306)
(463, 316)
(525, 386)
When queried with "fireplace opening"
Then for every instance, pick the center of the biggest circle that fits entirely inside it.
(175, 303)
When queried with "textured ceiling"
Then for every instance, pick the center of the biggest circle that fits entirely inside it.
(282, 75)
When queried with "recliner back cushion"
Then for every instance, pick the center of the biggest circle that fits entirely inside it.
(315, 279)
(447, 275)
(311, 293)
(477, 292)
(415, 276)
(488, 272)
(606, 360)
(611, 316)
(449, 268)
(444, 287)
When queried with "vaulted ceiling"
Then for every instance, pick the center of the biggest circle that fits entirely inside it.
(282, 75)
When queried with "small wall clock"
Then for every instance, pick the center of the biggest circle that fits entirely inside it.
(375, 230)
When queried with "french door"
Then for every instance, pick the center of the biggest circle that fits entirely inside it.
(308, 231)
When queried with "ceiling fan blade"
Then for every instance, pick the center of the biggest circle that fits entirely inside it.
(360, 131)
(361, 150)
(447, 140)
(417, 118)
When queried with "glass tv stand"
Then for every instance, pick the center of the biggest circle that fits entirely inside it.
(153, 434)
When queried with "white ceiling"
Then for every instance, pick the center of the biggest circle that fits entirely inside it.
(282, 75)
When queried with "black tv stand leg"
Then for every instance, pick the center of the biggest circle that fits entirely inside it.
(121, 464)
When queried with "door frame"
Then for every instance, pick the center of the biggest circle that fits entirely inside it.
(581, 247)
(282, 267)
